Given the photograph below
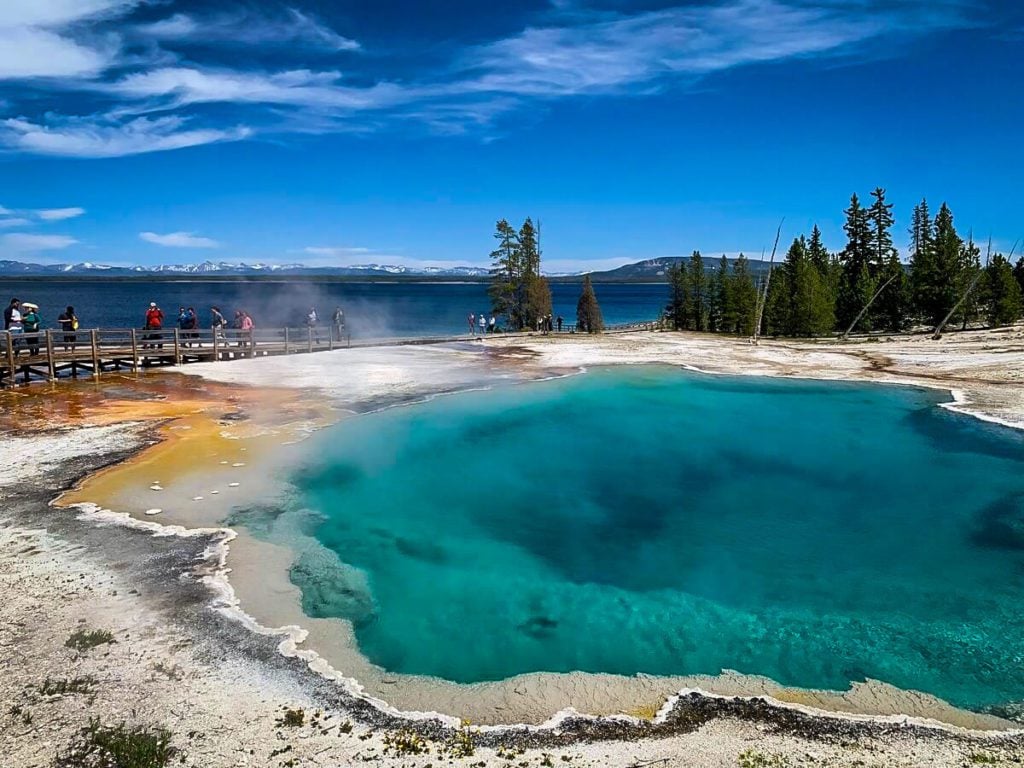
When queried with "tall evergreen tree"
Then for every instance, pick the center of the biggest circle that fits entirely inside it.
(506, 271)
(968, 266)
(1003, 292)
(809, 311)
(678, 309)
(722, 315)
(933, 269)
(892, 307)
(744, 297)
(1018, 272)
(921, 232)
(856, 285)
(534, 289)
(698, 292)
(880, 221)
(588, 312)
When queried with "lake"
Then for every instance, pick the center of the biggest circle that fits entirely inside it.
(373, 309)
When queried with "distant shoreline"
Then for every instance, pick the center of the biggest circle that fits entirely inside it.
(353, 279)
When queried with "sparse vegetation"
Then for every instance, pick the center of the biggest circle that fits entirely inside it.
(461, 744)
(85, 639)
(405, 742)
(62, 686)
(982, 758)
(292, 718)
(751, 758)
(100, 746)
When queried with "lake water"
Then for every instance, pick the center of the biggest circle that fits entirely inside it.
(653, 520)
(372, 309)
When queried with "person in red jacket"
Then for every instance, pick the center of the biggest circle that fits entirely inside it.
(154, 322)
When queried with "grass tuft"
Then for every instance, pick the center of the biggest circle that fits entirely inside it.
(84, 639)
(101, 746)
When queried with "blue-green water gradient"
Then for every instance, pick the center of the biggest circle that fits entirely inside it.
(653, 520)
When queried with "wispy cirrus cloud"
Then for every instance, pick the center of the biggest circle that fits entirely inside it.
(178, 240)
(249, 27)
(15, 222)
(59, 214)
(178, 94)
(24, 242)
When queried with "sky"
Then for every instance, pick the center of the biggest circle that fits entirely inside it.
(399, 131)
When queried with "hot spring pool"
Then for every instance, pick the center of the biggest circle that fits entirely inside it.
(658, 521)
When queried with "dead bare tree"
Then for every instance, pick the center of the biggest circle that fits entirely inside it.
(762, 299)
(867, 306)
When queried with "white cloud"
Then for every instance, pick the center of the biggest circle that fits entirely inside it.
(16, 222)
(250, 29)
(59, 214)
(179, 240)
(20, 241)
(35, 39)
(100, 137)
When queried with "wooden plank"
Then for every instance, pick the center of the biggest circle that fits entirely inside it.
(10, 356)
(177, 347)
(286, 340)
(310, 347)
(216, 350)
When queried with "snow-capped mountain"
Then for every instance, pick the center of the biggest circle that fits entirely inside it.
(226, 268)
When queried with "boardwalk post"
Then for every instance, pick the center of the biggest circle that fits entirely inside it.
(49, 356)
(10, 357)
(94, 343)
(135, 351)
(286, 339)
(330, 343)
(252, 342)
(310, 347)
(216, 350)
(177, 347)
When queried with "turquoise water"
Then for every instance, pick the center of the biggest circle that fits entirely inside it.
(653, 520)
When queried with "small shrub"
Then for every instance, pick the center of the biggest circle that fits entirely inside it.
(345, 727)
(101, 746)
(405, 742)
(461, 744)
(292, 718)
(982, 758)
(63, 686)
(754, 759)
(84, 639)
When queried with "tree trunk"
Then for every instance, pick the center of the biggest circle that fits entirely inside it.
(867, 306)
(764, 296)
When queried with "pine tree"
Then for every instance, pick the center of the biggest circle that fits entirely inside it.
(880, 221)
(921, 233)
(1002, 292)
(892, 307)
(856, 285)
(968, 265)
(744, 297)
(722, 316)
(775, 320)
(1018, 273)
(506, 272)
(678, 309)
(698, 292)
(933, 269)
(588, 312)
(809, 311)
(534, 291)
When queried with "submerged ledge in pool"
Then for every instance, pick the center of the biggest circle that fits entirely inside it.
(651, 520)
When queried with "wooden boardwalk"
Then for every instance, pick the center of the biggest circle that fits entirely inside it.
(50, 355)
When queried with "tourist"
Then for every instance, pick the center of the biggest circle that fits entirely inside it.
(493, 325)
(68, 322)
(154, 322)
(559, 321)
(12, 322)
(217, 322)
(472, 323)
(30, 322)
(483, 324)
(338, 319)
(311, 322)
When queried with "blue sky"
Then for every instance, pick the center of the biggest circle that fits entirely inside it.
(135, 131)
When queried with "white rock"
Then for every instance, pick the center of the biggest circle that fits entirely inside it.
(153, 511)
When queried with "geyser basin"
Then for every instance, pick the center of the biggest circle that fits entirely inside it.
(657, 521)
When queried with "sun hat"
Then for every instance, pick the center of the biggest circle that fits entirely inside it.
(29, 305)
(152, 303)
